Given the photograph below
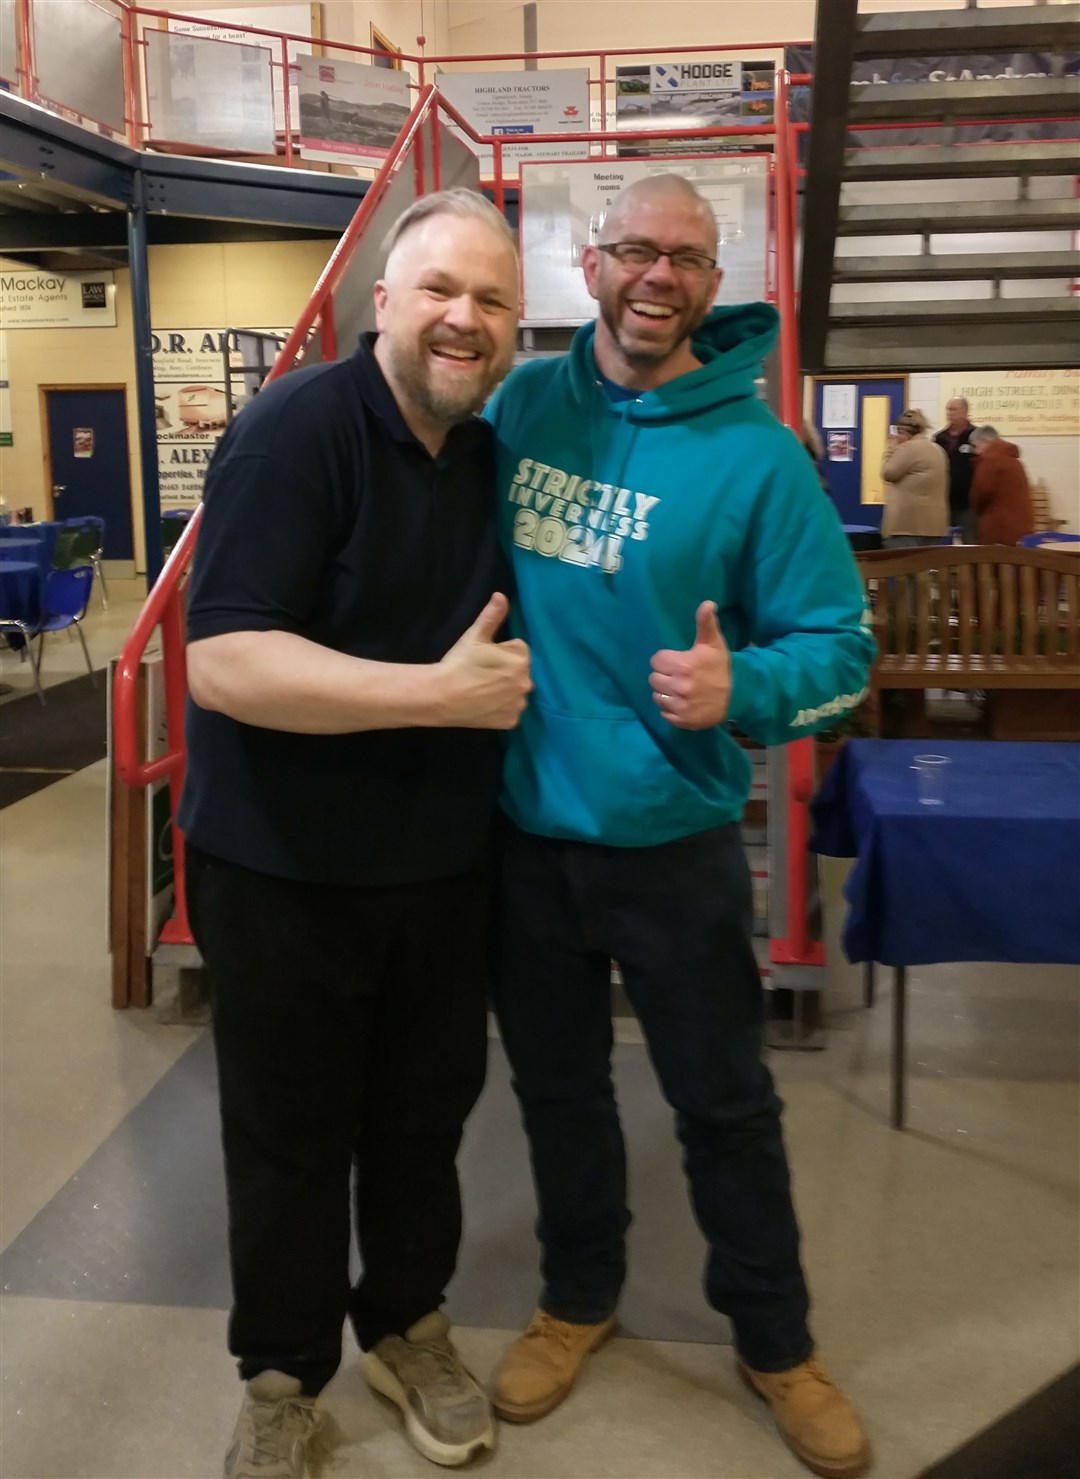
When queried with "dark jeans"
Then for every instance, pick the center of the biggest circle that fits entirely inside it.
(677, 918)
(351, 1036)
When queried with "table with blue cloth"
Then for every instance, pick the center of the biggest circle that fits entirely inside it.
(863, 536)
(20, 590)
(993, 873)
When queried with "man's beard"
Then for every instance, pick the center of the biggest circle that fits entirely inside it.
(644, 354)
(439, 405)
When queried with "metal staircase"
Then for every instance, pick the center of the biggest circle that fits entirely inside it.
(949, 245)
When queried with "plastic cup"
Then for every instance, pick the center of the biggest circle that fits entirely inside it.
(930, 772)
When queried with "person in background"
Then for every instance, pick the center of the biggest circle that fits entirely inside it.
(1000, 490)
(678, 574)
(954, 440)
(916, 473)
(811, 440)
(347, 690)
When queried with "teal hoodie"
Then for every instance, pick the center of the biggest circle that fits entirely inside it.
(620, 519)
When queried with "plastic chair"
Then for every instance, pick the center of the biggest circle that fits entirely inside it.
(173, 523)
(63, 606)
(90, 545)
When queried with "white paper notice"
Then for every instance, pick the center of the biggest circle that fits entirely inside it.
(838, 407)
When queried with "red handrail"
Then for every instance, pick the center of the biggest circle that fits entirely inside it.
(795, 947)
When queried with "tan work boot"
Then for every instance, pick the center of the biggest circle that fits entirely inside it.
(542, 1365)
(816, 1420)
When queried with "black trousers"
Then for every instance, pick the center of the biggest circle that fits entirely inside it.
(678, 920)
(350, 1028)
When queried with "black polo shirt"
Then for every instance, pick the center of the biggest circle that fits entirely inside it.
(326, 517)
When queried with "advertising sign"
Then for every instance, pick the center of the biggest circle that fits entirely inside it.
(1018, 403)
(702, 92)
(949, 69)
(518, 104)
(218, 94)
(350, 113)
(227, 25)
(7, 438)
(189, 392)
(56, 300)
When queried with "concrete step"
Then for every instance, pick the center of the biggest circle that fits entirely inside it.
(959, 102)
(958, 267)
(969, 32)
(941, 216)
(963, 161)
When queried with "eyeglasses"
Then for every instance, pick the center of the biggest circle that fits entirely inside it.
(643, 254)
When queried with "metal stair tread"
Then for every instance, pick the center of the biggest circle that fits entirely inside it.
(1000, 97)
(958, 266)
(968, 32)
(963, 161)
(944, 216)
(954, 310)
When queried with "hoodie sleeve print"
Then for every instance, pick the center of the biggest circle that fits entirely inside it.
(803, 602)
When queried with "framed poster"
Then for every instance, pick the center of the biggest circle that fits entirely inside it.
(701, 92)
(350, 113)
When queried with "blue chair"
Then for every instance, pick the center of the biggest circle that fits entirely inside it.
(1032, 541)
(91, 546)
(63, 606)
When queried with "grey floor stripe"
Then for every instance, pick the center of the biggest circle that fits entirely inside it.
(143, 1220)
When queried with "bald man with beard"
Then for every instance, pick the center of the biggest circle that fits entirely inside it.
(678, 574)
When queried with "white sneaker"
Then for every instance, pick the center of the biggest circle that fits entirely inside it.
(274, 1431)
(447, 1416)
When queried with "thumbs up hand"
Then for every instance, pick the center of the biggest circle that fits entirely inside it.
(484, 683)
(692, 688)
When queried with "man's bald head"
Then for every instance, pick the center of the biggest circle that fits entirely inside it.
(660, 192)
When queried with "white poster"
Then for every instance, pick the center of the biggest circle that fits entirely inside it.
(226, 25)
(218, 94)
(592, 191)
(838, 406)
(517, 104)
(189, 392)
(56, 300)
(349, 113)
(563, 208)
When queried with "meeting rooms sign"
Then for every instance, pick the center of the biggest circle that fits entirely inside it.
(57, 300)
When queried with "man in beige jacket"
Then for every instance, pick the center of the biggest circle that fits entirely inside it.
(916, 473)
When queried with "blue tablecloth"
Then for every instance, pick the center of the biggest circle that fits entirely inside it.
(992, 874)
(20, 589)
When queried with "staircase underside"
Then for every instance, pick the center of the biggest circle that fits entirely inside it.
(942, 254)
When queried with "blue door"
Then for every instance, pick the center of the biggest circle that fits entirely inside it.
(88, 460)
(852, 416)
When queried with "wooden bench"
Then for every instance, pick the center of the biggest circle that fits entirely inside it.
(990, 617)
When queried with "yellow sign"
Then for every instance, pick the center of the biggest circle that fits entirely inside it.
(875, 439)
(1019, 403)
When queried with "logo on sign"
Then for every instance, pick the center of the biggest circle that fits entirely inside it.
(93, 295)
(327, 74)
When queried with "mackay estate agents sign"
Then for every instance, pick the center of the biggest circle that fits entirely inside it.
(56, 300)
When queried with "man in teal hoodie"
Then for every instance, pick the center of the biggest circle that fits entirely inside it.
(678, 573)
